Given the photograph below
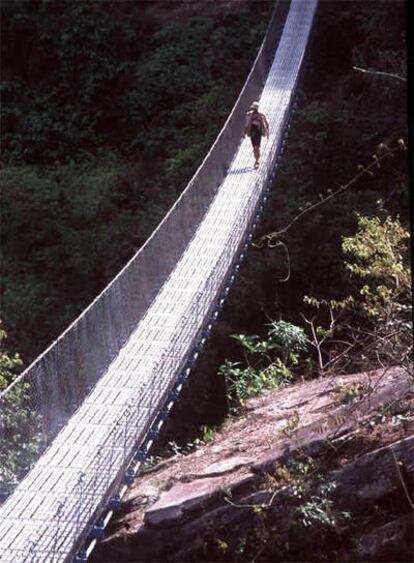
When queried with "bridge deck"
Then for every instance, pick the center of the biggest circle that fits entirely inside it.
(58, 499)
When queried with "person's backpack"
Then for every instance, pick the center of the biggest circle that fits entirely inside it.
(254, 121)
(257, 122)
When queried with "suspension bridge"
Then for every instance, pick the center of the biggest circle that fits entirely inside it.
(77, 424)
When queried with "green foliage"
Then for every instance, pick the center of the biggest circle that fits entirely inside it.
(306, 493)
(222, 545)
(291, 477)
(7, 362)
(270, 370)
(208, 434)
(303, 495)
(289, 340)
(205, 435)
(372, 326)
(59, 229)
(380, 259)
(150, 462)
(379, 252)
(249, 382)
(351, 392)
(72, 61)
(19, 424)
(318, 510)
(83, 78)
(291, 424)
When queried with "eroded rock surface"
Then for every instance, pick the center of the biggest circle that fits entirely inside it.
(259, 490)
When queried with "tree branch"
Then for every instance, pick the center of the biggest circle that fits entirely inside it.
(383, 152)
(380, 73)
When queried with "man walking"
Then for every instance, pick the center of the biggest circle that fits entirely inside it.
(256, 125)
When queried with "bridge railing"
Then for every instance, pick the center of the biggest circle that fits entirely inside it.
(41, 400)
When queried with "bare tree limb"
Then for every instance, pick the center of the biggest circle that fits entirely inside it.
(380, 73)
(384, 151)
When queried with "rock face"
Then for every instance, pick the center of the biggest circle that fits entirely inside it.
(322, 470)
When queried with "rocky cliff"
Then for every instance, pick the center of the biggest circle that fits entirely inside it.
(322, 470)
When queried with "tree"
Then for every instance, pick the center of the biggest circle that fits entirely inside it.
(372, 326)
(19, 423)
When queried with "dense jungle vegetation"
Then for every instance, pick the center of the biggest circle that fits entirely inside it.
(108, 112)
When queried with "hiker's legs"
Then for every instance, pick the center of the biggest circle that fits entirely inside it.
(256, 148)
(256, 152)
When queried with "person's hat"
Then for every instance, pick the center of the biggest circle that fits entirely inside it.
(255, 105)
